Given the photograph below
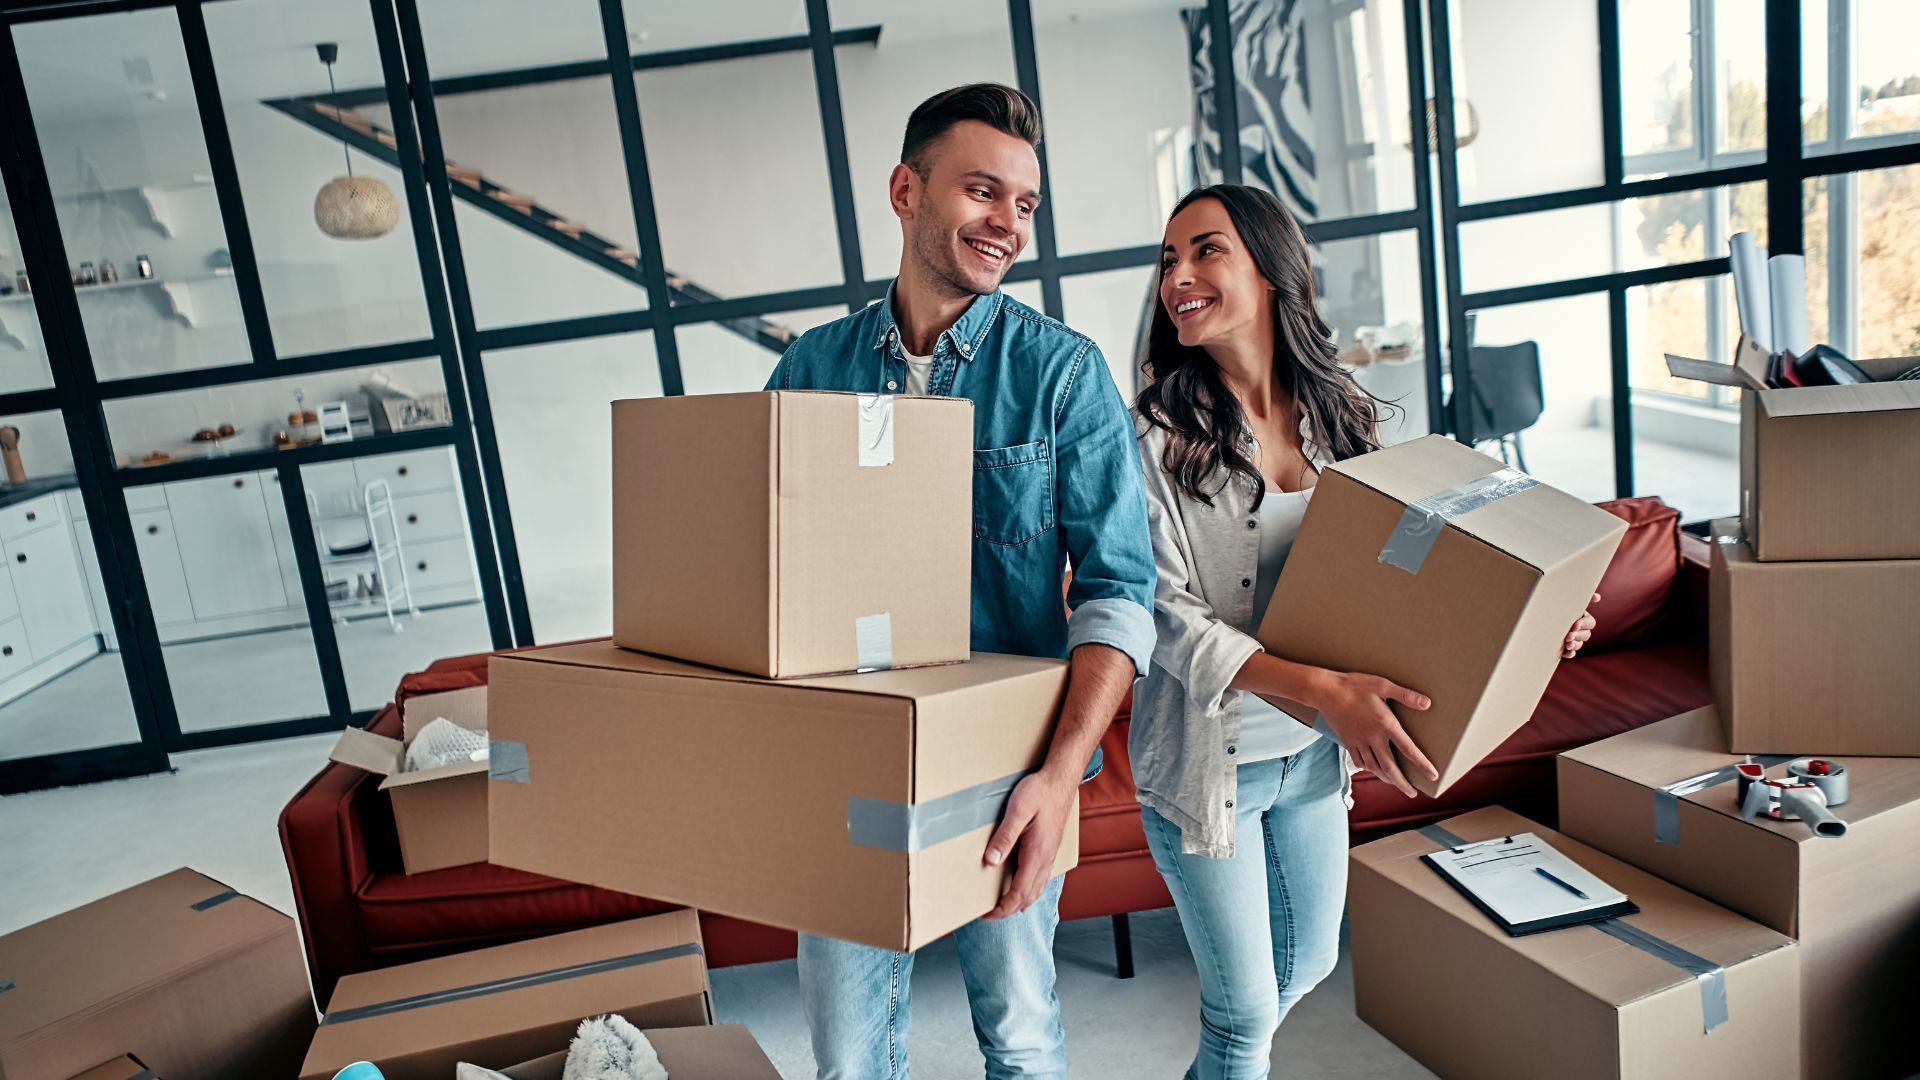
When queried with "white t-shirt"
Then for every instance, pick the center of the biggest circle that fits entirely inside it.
(1266, 732)
(919, 370)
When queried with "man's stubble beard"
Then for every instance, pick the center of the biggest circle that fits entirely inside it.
(933, 254)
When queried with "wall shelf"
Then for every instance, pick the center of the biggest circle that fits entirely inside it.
(155, 199)
(178, 293)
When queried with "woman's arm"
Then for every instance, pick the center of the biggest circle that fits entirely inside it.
(1355, 707)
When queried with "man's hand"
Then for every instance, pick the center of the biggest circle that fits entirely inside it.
(1035, 823)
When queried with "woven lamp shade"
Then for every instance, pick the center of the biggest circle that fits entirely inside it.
(356, 208)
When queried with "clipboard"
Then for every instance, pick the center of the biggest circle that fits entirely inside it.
(1527, 887)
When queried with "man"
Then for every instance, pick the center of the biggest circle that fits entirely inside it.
(1056, 476)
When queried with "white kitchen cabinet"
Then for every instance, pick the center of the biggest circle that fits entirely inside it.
(52, 594)
(227, 545)
(410, 471)
(90, 569)
(160, 563)
(9, 606)
(30, 516)
(14, 657)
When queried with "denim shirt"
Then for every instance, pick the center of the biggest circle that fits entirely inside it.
(1055, 473)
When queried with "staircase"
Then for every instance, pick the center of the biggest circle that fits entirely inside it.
(522, 211)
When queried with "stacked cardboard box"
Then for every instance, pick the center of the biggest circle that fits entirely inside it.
(1811, 590)
(192, 976)
(840, 761)
(1663, 798)
(440, 813)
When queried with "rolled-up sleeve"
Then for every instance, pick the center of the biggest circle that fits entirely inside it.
(1103, 515)
(1192, 644)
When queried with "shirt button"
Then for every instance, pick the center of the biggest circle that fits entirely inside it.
(891, 385)
(965, 348)
(1246, 583)
(1231, 749)
(1253, 524)
(1229, 804)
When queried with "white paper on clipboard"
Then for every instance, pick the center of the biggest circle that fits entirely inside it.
(1504, 873)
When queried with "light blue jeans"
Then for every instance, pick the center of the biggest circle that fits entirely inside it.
(856, 998)
(1264, 925)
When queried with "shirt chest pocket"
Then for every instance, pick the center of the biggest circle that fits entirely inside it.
(1012, 493)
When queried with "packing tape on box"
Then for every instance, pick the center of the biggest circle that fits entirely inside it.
(1666, 800)
(1421, 523)
(507, 760)
(513, 982)
(216, 900)
(917, 826)
(873, 642)
(876, 430)
(1711, 977)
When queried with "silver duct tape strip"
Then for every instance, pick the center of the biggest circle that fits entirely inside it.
(507, 760)
(1666, 800)
(876, 430)
(516, 982)
(873, 642)
(1421, 523)
(1711, 976)
(916, 826)
(215, 900)
(5, 985)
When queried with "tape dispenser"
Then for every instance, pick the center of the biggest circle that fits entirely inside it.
(1810, 787)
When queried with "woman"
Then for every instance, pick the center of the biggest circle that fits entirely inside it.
(1245, 808)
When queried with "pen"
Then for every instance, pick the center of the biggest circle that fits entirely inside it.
(1543, 873)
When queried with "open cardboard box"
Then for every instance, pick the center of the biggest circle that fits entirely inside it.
(440, 814)
(718, 1052)
(1826, 472)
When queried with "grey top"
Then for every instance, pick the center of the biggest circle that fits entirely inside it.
(1185, 735)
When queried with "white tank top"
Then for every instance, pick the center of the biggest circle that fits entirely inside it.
(1266, 732)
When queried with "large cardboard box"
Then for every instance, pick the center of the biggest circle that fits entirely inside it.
(1826, 472)
(440, 814)
(494, 1007)
(124, 1067)
(720, 1052)
(853, 806)
(1813, 657)
(1440, 569)
(1662, 798)
(201, 980)
(791, 534)
(1439, 978)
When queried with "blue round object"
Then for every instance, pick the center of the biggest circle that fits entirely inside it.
(360, 1070)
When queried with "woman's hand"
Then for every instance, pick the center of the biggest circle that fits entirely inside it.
(1355, 706)
(1581, 631)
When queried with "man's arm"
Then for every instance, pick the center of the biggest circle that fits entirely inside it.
(1103, 521)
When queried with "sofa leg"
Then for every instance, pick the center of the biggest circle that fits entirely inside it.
(1122, 947)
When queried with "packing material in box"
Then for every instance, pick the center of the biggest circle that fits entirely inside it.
(440, 813)
(853, 806)
(791, 534)
(1813, 657)
(1826, 472)
(1438, 568)
(1663, 797)
(124, 1067)
(720, 1052)
(494, 1007)
(1439, 978)
(201, 980)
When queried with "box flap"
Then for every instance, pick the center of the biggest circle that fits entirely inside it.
(1541, 526)
(1748, 370)
(908, 683)
(1584, 957)
(1839, 400)
(372, 753)
(720, 1052)
(466, 706)
(122, 943)
(427, 776)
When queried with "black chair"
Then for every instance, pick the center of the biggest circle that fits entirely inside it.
(1507, 396)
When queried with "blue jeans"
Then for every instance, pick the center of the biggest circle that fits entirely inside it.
(856, 997)
(1264, 925)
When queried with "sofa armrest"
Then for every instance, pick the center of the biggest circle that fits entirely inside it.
(1687, 604)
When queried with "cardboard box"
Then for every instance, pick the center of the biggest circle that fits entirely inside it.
(494, 1007)
(202, 980)
(853, 806)
(1826, 472)
(1853, 903)
(440, 814)
(721, 1052)
(823, 533)
(125, 1067)
(1813, 657)
(1474, 622)
(1439, 978)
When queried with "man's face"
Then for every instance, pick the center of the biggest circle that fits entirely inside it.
(971, 217)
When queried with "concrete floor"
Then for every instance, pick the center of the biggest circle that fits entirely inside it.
(216, 813)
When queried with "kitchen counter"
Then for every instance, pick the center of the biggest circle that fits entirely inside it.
(35, 487)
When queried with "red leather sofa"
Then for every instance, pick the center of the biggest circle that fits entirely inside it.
(358, 911)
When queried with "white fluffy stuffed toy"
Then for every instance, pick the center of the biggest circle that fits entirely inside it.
(605, 1048)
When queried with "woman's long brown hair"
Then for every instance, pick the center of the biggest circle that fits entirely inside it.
(1185, 396)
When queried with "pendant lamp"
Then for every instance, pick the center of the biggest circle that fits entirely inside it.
(352, 207)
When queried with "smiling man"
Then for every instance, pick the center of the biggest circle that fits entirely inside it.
(1056, 477)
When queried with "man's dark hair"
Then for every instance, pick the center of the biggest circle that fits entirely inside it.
(1000, 107)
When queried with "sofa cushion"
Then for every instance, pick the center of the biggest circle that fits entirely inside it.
(1635, 588)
